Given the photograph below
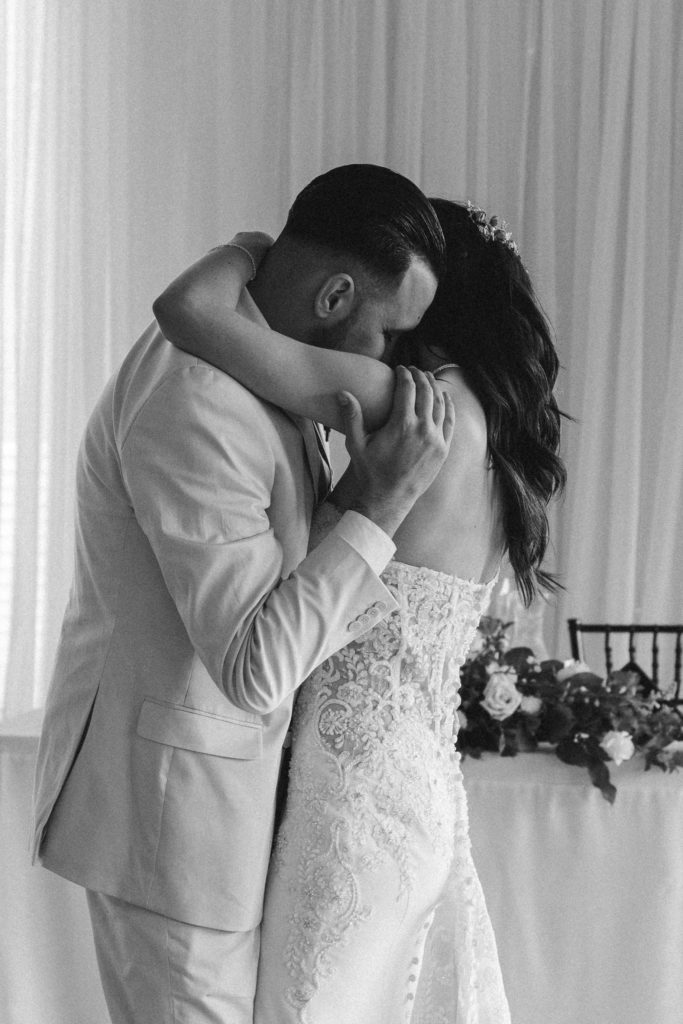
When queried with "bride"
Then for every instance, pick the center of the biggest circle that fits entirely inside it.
(374, 912)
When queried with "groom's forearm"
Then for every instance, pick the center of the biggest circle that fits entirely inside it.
(201, 489)
(334, 596)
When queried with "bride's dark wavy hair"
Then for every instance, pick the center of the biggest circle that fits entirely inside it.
(486, 317)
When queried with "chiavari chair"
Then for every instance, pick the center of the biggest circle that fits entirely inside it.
(649, 678)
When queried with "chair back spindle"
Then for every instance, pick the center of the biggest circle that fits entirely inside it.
(677, 665)
(608, 652)
(577, 628)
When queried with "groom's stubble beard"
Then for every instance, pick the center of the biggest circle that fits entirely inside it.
(331, 337)
(358, 333)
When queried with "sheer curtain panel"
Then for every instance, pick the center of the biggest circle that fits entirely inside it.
(135, 136)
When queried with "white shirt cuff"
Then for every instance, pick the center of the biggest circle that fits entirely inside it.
(368, 539)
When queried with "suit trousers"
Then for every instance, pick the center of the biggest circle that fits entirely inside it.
(155, 970)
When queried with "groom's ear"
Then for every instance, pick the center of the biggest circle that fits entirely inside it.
(334, 300)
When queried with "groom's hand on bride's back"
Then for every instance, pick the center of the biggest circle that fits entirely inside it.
(397, 463)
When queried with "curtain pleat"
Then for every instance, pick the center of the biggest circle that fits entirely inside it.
(136, 136)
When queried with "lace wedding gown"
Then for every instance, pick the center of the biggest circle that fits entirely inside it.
(374, 913)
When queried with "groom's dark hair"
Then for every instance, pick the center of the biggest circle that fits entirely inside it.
(373, 214)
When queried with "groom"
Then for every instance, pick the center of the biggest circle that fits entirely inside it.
(195, 612)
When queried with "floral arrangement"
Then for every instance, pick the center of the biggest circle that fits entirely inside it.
(511, 702)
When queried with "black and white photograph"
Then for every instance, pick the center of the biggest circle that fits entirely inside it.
(341, 512)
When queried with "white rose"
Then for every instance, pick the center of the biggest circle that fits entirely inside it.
(501, 696)
(531, 705)
(618, 746)
(572, 668)
(477, 645)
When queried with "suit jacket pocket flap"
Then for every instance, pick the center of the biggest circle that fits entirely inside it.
(204, 733)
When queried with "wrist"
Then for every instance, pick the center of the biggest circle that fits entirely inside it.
(386, 513)
(248, 260)
(254, 245)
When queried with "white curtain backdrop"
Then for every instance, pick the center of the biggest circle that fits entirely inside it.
(135, 136)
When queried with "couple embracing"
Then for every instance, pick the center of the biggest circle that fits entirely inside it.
(218, 579)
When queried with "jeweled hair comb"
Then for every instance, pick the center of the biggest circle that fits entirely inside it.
(492, 229)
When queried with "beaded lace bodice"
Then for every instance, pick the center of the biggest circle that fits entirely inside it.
(383, 708)
(375, 777)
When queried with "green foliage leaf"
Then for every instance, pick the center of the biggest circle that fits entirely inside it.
(556, 723)
(572, 752)
(599, 774)
(518, 658)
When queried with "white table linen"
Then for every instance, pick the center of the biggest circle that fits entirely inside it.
(586, 898)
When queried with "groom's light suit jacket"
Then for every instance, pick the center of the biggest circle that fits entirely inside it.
(194, 613)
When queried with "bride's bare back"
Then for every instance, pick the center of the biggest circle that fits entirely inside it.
(455, 527)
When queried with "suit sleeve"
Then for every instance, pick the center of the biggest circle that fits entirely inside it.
(199, 467)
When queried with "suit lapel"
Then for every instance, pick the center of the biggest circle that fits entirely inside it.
(325, 467)
(316, 456)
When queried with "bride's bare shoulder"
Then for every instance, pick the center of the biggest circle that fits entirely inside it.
(455, 526)
(470, 435)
